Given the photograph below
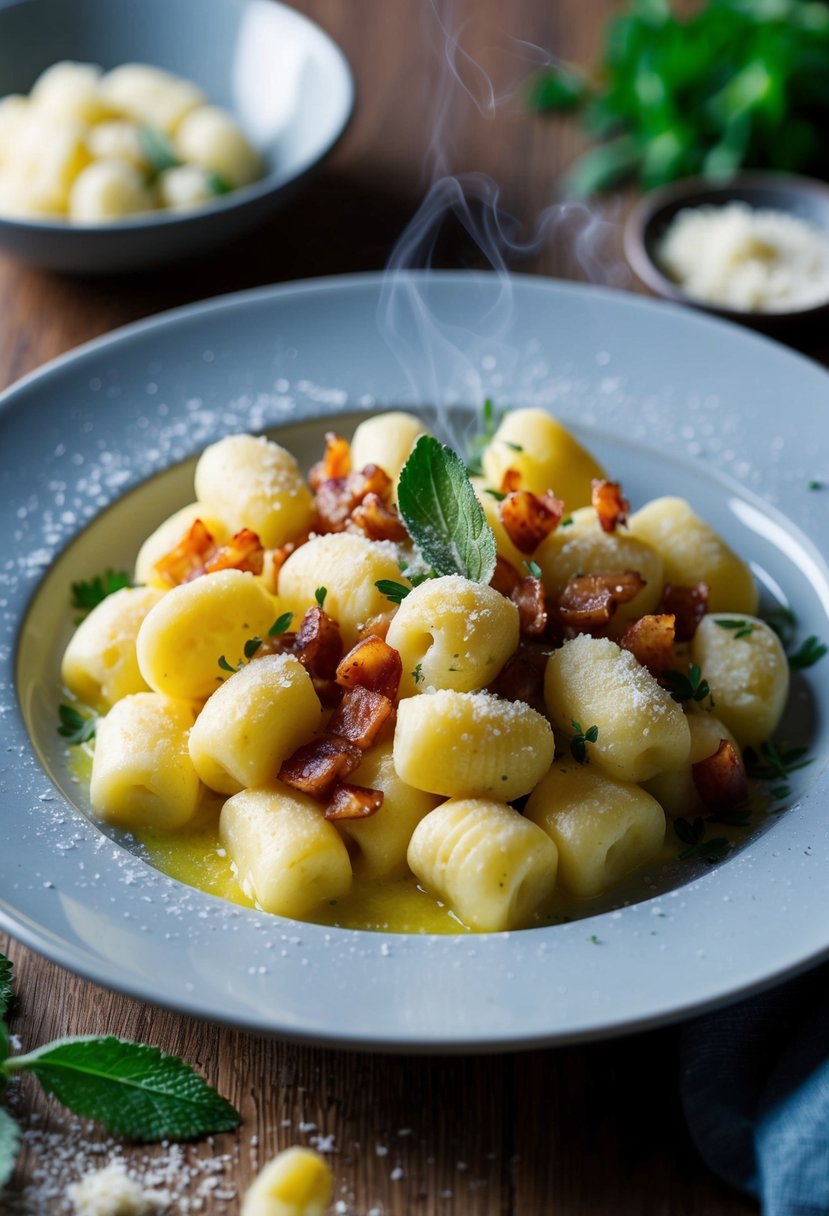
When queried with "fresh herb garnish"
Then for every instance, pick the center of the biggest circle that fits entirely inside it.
(693, 835)
(515, 447)
(784, 622)
(225, 666)
(319, 596)
(490, 421)
(442, 513)
(496, 494)
(217, 184)
(76, 727)
(87, 594)
(417, 674)
(706, 90)
(156, 148)
(251, 647)
(567, 522)
(281, 625)
(579, 741)
(686, 688)
(772, 764)
(742, 629)
(814, 484)
(807, 654)
(533, 569)
(132, 1089)
(395, 592)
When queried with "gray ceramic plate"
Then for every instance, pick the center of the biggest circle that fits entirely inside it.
(286, 81)
(671, 401)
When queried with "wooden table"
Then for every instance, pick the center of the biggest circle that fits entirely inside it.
(590, 1129)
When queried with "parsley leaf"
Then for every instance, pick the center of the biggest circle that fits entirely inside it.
(251, 646)
(686, 688)
(281, 625)
(225, 666)
(807, 654)
(319, 596)
(772, 764)
(693, 836)
(134, 1090)
(417, 674)
(88, 594)
(395, 592)
(741, 629)
(578, 744)
(442, 513)
(217, 184)
(76, 727)
(156, 148)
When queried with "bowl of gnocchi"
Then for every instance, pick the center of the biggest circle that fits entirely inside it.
(127, 143)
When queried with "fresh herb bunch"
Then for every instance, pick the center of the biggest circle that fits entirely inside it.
(132, 1089)
(735, 83)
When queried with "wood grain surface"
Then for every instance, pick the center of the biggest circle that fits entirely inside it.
(586, 1130)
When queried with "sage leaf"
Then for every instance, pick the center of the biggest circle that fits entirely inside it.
(156, 148)
(132, 1089)
(442, 513)
(9, 1145)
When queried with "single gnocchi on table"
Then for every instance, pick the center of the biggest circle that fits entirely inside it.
(398, 697)
(91, 146)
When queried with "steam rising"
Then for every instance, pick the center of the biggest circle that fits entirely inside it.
(448, 363)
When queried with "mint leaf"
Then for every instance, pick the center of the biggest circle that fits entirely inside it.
(6, 984)
(442, 513)
(133, 1089)
(9, 1144)
(156, 148)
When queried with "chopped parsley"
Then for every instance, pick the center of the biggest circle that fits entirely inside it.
(741, 629)
(417, 674)
(394, 592)
(76, 727)
(807, 654)
(686, 688)
(320, 594)
(697, 847)
(281, 625)
(88, 594)
(579, 741)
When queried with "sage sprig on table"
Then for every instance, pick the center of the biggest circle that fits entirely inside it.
(133, 1089)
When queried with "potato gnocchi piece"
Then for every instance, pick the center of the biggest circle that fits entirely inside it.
(253, 721)
(44, 157)
(547, 456)
(170, 533)
(454, 633)
(471, 745)
(151, 95)
(142, 774)
(674, 788)
(349, 568)
(183, 187)
(108, 190)
(287, 857)
(641, 729)
(117, 140)
(191, 627)
(693, 552)
(386, 440)
(748, 675)
(100, 664)
(210, 138)
(70, 90)
(251, 482)
(603, 828)
(378, 844)
(491, 865)
(581, 547)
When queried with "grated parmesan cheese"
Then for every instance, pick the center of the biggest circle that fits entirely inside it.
(112, 1192)
(745, 258)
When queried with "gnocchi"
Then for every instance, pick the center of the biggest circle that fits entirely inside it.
(361, 726)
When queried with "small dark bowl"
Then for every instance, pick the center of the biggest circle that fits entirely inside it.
(803, 197)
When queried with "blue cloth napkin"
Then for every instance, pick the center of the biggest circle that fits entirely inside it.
(755, 1088)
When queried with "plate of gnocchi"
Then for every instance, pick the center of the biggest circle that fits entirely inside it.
(335, 660)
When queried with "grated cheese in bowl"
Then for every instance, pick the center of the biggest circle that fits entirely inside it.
(747, 259)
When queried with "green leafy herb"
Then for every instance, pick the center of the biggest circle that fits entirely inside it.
(490, 421)
(251, 647)
(216, 184)
(442, 513)
(567, 522)
(417, 674)
(814, 484)
(225, 666)
(579, 741)
(734, 817)
(134, 1090)
(784, 622)
(281, 625)
(742, 629)
(319, 596)
(772, 764)
(9, 1145)
(76, 727)
(595, 939)
(703, 90)
(496, 494)
(87, 594)
(807, 654)
(515, 447)
(395, 592)
(533, 569)
(686, 688)
(156, 148)
(693, 835)
(6, 984)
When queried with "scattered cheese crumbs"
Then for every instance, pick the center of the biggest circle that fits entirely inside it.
(754, 260)
(112, 1192)
(296, 1183)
